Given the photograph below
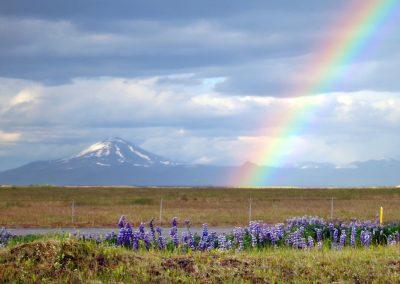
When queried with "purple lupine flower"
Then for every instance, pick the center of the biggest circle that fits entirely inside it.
(264, 234)
(254, 229)
(278, 233)
(342, 241)
(270, 234)
(319, 235)
(365, 238)
(274, 237)
(222, 242)
(310, 242)
(147, 240)
(160, 239)
(302, 243)
(128, 226)
(174, 232)
(291, 239)
(335, 235)
(141, 230)
(185, 238)
(152, 231)
(211, 240)
(125, 235)
(238, 236)
(305, 221)
(204, 238)
(135, 240)
(5, 236)
(122, 222)
(331, 229)
(396, 236)
(204, 232)
(391, 240)
(353, 236)
(191, 241)
(228, 244)
(319, 245)
(128, 234)
(296, 239)
(174, 236)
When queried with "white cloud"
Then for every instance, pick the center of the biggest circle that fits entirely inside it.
(9, 137)
(198, 124)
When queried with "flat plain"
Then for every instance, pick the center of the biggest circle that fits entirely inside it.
(47, 206)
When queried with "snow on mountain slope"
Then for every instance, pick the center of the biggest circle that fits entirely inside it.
(116, 151)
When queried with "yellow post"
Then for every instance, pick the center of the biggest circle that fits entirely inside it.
(381, 216)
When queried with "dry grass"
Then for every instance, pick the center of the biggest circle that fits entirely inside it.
(101, 207)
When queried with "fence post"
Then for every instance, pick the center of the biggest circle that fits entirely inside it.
(331, 208)
(250, 209)
(73, 212)
(161, 207)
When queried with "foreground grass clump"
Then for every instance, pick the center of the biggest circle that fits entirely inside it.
(71, 260)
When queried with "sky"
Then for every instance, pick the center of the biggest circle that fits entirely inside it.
(194, 81)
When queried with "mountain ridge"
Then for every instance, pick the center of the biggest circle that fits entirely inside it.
(117, 151)
(115, 161)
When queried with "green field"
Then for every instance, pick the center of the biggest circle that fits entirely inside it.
(101, 207)
(60, 259)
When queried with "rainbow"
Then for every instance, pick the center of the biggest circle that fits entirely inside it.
(353, 32)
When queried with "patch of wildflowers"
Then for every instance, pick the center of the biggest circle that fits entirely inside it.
(295, 233)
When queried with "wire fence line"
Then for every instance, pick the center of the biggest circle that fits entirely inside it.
(245, 206)
(263, 199)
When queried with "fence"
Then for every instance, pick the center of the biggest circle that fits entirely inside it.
(214, 211)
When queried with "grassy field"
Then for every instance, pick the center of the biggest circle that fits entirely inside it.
(101, 207)
(67, 260)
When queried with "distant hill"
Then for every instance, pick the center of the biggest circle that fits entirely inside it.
(118, 162)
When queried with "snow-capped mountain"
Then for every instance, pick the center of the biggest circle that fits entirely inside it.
(115, 152)
(118, 162)
(114, 161)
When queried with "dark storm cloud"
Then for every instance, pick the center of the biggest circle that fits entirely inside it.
(152, 9)
(54, 41)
